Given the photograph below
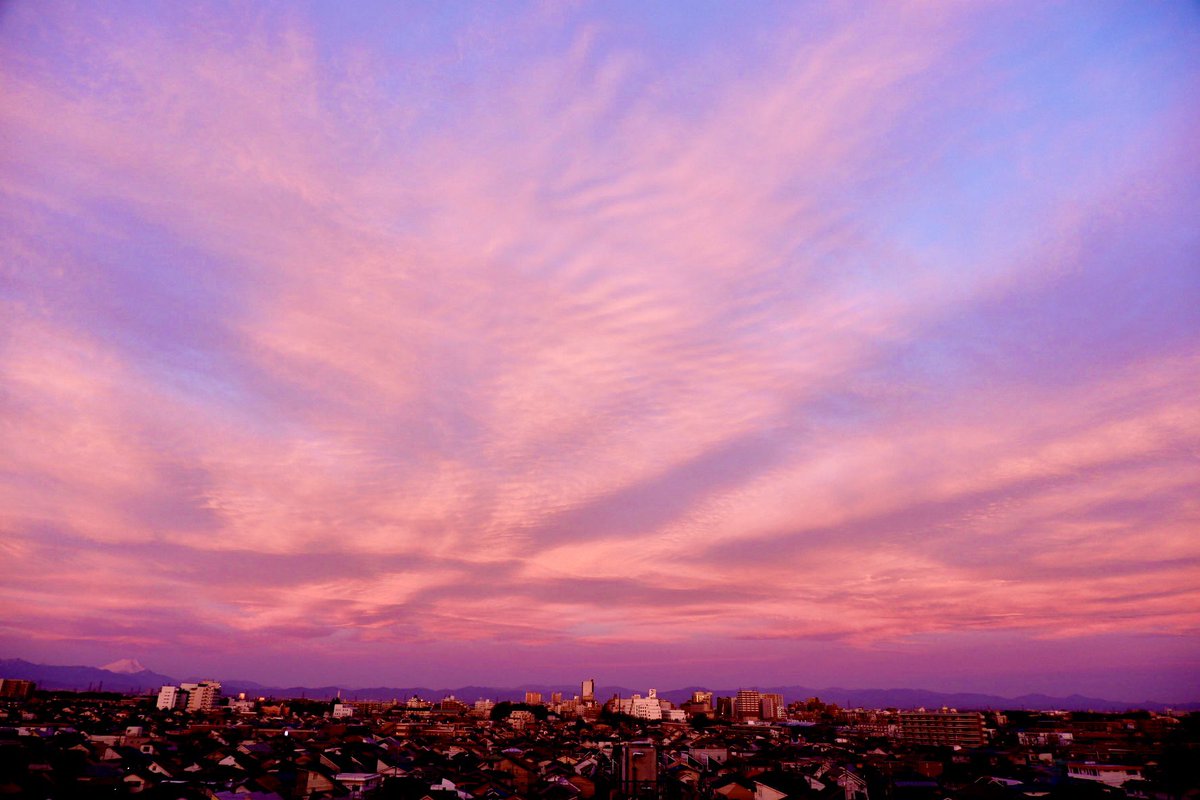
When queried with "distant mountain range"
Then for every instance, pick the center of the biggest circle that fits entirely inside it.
(83, 678)
(119, 678)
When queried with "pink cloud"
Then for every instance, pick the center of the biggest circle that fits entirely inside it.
(551, 347)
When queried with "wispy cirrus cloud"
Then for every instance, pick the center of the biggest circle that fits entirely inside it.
(558, 330)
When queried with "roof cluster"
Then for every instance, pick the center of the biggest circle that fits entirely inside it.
(67, 747)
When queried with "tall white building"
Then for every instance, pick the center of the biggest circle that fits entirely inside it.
(201, 696)
(168, 697)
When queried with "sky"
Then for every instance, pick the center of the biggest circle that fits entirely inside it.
(830, 344)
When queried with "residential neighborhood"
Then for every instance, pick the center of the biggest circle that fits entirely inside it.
(92, 744)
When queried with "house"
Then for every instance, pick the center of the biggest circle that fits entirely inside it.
(359, 784)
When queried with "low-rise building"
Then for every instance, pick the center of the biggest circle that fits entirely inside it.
(1108, 774)
(942, 728)
(15, 689)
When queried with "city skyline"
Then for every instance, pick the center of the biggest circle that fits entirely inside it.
(131, 678)
(831, 345)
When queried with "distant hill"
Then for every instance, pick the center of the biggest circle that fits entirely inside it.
(924, 698)
(81, 678)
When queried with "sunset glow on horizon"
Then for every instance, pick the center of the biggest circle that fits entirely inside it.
(398, 344)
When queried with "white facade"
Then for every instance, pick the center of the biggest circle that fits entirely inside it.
(1110, 774)
(1043, 738)
(520, 718)
(645, 708)
(168, 697)
(201, 696)
(649, 707)
(359, 784)
(241, 705)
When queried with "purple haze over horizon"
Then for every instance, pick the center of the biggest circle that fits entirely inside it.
(662, 344)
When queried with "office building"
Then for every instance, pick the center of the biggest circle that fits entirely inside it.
(747, 705)
(771, 705)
